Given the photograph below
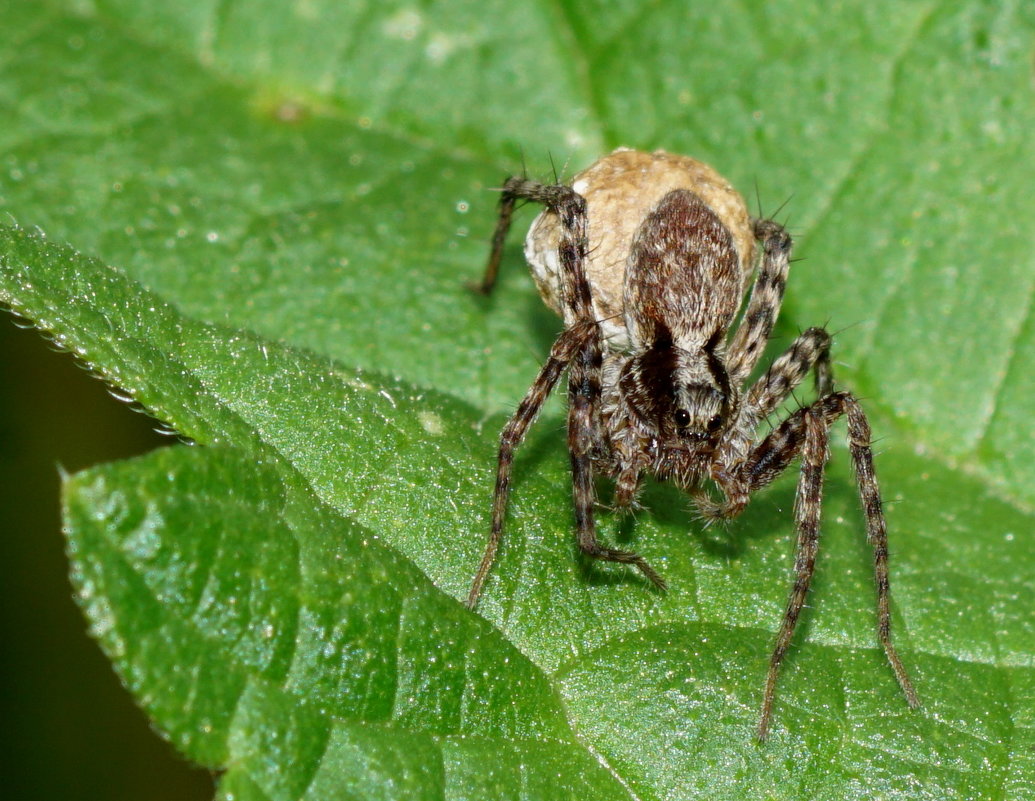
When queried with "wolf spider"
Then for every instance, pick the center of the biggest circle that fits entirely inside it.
(647, 257)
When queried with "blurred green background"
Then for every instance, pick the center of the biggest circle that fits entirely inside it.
(69, 729)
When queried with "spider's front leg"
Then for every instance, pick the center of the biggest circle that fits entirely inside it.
(810, 351)
(806, 433)
(571, 209)
(584, 394)
(580, 348)
(568, 344)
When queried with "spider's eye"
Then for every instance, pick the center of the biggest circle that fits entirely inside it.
(682, 418)
(714, 422)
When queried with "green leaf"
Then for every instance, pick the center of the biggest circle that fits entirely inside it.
(280, 639)
(292, 198)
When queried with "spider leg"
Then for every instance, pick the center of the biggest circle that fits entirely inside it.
(809, 351)
(499, 238)
(515, 188)
(766, 296)
(807, 518)
(584, 373)
(568, 344)
(583, 399)
(807, 432)
(737, 478)
(578, 347)
(876, 531)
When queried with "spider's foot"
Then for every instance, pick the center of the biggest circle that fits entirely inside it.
(628, 558)
(652, 575)
(483, 288)
(709, 512)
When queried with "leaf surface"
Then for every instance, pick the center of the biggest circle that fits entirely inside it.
(293, 198)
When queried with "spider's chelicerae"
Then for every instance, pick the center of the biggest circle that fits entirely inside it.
(647, 257)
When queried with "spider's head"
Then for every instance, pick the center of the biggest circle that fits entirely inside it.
(684, 395)
(698, 413)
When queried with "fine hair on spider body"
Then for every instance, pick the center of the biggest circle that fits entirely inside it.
(647, 257)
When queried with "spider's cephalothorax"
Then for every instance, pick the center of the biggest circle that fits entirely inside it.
(647, 257)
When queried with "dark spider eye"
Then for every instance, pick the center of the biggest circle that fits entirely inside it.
(714, 423)
(682, 418)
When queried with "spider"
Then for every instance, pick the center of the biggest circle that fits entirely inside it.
(647, 257)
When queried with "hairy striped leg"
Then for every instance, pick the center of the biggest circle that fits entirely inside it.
(583, 407)
(751, 337)
(499, 237)
(810, 351)
(568, 344)
(570, 207)
(579, 345)
(806, 433)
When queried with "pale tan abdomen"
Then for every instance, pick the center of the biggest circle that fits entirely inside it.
(620, 191)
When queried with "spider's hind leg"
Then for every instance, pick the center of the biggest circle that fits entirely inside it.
(515, 188)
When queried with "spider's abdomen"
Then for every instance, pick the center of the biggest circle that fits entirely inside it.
(621, 190)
